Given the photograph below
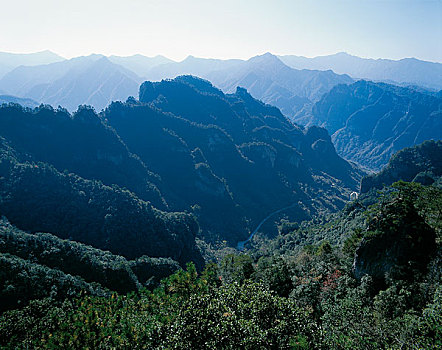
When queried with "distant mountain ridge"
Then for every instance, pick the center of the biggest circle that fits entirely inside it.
(139, 64)
(92, 80)
(292, 83)
(409, 71)
(267, 78)
(9, 61)
(97, 80)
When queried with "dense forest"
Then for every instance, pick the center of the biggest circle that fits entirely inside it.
(120, 230)
(377, 287)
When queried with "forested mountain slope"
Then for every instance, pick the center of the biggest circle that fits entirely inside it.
(421, 163)
(231, 155)
(35, 197)
(369, 121)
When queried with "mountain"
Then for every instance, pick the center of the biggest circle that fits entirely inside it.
(230, 156)
(268, 79)
(408, 71)
(421, 163)
(369, 121)
(9, 61)
(52, 136)
(139, 64)
(25, 102)
(191, 65)
(92, 80)
(184, 146)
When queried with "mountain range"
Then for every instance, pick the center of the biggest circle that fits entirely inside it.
(289, 82)
(407, 71)
(9, 61)
(92, 80)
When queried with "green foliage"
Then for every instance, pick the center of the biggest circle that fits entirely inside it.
(275, 274)
(22, 281)
(93, 265)
(38, 198)
(183, 314)
(418, 164)
(236, 268)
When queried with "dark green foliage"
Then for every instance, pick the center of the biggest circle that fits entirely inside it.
(38, 198)
(186, 313)
(22, 281)
(236, 268)
(80, 143)
(150, 271)
(275, 275)
(93, 265)
(398, 243)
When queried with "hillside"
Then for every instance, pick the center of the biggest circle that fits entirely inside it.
(421, 163)
(369, 121)
(380, 288)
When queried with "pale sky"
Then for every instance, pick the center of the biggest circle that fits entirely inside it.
(224, 29)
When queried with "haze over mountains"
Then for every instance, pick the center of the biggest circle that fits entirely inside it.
(9, 61)
(407, 71)
(92, 80)
(288, 82)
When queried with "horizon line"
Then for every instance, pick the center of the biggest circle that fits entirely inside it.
(216, 58)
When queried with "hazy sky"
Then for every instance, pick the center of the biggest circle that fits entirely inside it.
(224, 29)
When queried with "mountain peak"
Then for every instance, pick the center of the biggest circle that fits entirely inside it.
(267, 58)
(189, 58)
